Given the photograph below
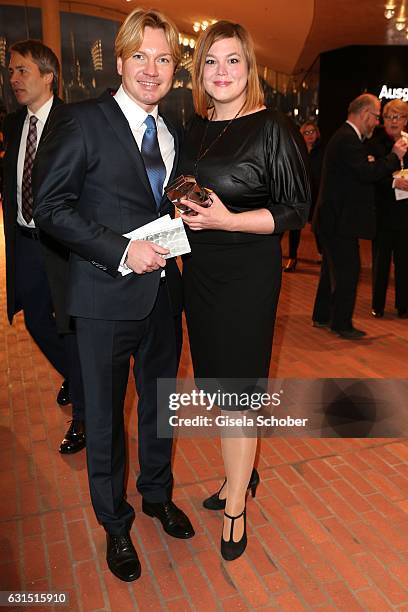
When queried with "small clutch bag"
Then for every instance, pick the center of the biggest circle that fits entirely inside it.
(187, 188)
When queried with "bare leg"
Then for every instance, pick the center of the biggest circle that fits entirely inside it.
(239, 457)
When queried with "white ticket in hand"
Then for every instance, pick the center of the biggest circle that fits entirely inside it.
(400, 194)
(166, 232)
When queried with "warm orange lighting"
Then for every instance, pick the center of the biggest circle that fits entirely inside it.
(400, 21)
(202, 25)
(389, 11)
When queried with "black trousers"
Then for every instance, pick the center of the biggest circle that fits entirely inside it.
(76, 389)
(390, 244)
(337, 289)
(105, 349)
(294, 241)
(33, 295)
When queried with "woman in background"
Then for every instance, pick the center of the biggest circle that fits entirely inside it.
(391, 241)
(311, 136)
(250, 157)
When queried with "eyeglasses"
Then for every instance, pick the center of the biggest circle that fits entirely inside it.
(394, 117)
(376, 115)
(309, 132)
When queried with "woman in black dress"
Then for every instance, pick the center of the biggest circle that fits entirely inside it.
(391, 240)
(250, 157)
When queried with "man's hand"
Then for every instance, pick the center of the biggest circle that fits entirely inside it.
(400, 147)
(144, 256)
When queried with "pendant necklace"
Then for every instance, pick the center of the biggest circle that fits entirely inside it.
(202, 153)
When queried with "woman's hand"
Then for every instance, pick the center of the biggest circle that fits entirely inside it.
(401, 183)
(216, 216)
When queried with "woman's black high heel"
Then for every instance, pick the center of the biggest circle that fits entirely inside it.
(215, 503)
(231, 550)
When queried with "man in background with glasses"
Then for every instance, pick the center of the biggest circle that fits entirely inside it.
(345, 212)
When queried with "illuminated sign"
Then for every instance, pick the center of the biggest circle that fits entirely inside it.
(393, 93)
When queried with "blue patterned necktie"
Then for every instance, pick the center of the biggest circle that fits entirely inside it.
(155, 168)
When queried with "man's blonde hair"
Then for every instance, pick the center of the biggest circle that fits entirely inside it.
(130, 36)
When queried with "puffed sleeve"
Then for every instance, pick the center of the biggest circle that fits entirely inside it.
(288, 167)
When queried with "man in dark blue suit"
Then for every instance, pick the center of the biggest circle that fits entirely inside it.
(345, 212)
(99, 174)
(36, 266)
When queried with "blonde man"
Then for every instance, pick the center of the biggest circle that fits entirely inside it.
(99, 174)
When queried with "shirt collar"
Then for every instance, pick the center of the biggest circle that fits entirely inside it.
(134, 114)
(43, 112)
(355, 128)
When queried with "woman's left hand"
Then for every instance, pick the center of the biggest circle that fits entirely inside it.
(216, 216)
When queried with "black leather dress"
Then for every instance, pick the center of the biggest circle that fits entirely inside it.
(232, 279)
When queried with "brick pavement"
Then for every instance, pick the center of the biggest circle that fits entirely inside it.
(328, 529)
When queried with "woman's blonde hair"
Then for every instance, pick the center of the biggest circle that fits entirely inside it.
(218, 31)
(130, 35)
(398, 106)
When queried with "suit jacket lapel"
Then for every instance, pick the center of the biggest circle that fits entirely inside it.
(122, 130)
(13, 142)
(56, 102)
(13, 147)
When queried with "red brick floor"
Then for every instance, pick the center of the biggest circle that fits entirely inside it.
(328, 529)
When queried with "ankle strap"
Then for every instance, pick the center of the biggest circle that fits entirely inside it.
(234, 517)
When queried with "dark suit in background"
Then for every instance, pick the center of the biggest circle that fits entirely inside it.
(391, 238)
(27, 284)
(344, 213)
(91, 187)
(36, 274)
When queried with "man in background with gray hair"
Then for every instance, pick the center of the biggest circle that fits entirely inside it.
(345, 212)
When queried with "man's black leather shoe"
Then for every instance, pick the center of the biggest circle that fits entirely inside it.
(174, 521)
(122, 558)
(74, 439)
(378, 314)
(63, 397)
(350, 334)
